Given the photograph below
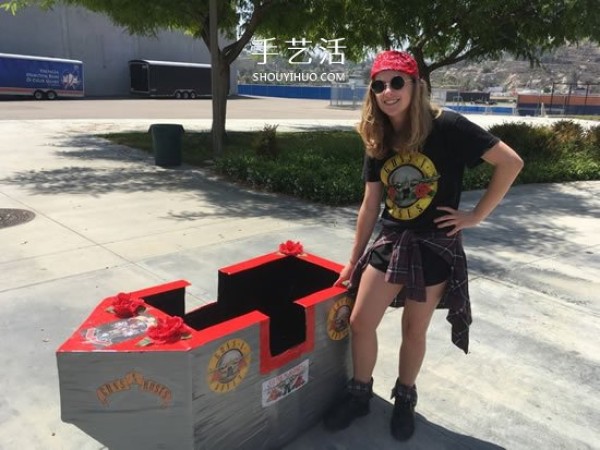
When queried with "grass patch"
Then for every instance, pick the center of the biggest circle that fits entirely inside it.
(326, 166)
(196, 148)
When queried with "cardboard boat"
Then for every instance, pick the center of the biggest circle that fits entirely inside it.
(251, 370)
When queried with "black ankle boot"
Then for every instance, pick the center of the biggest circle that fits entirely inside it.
(354, 403)
(403, 418)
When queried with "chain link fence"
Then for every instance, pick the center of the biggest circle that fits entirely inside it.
(347, 96)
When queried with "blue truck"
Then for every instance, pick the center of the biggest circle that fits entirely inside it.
(40, 77)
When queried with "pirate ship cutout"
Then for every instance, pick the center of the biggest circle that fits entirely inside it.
(249, 371)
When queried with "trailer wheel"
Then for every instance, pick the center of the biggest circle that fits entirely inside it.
(193, 94)
(177, 94)
(186, 94)
(38, 95)
(51, 95)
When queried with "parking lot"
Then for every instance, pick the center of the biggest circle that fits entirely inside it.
(238, 107)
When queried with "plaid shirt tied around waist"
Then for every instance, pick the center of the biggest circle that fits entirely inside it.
(405, 268)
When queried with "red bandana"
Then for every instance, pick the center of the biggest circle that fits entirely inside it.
(395, 60)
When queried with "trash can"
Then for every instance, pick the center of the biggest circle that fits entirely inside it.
(166, 143)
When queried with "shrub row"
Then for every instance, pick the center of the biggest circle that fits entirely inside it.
(322, 166)
(562, 152)
(326, 166)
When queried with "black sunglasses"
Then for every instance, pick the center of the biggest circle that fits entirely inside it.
(396, 83)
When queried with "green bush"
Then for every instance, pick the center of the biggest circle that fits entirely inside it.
(477, 178)
(528, 141)
(558, 153)
(264, 143)
(567, 131)
(326, 166)
(592, 137)
(317, 166)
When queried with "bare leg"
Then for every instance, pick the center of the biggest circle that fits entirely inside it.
(415, 321)
(373, 297)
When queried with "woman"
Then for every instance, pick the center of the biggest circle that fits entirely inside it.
(415, 158)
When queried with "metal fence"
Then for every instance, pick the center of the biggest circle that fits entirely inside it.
(347, 95)
(351, 96)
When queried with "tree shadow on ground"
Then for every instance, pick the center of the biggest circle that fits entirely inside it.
(372, 433)
(92, 148)
(525, 221)
(534, 221)
(128, 170)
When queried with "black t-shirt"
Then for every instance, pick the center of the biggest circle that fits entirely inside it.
(416, 184)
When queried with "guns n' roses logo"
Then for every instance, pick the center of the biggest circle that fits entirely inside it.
(229, 365)
(411, 182)
(338, 319)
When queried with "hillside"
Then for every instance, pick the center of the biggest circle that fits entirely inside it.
(572, 64)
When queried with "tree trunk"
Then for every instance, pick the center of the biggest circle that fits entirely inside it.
(220, 111)
(424, 71)
(221, 61)
(426, 75)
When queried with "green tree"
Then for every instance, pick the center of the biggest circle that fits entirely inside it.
(443, 32)
(238, 20)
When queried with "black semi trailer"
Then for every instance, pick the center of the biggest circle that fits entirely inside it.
(169, 79)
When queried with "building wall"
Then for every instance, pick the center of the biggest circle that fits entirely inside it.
(536, 104)
(105, 49)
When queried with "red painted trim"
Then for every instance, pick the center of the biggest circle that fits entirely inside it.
(318, 261)
(268, 363)
(199, 338)
(269, 257)
(320, 296)
(2, 89)
(229, 327)
(76, 342)
(100, 316)
(252, 263)
(161, 288)
(310, 332)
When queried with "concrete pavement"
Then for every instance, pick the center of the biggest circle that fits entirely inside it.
(109, 220)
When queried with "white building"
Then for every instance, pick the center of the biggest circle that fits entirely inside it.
(105, 49)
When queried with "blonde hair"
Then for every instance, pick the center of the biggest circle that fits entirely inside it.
(377, 133)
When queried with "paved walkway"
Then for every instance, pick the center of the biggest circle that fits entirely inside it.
(109, 220)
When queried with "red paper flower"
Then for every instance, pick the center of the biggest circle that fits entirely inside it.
(291, 248)
(124, 305)
(167, 330)
(422, 190)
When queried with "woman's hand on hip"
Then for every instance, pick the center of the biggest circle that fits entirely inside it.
(458, 220)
